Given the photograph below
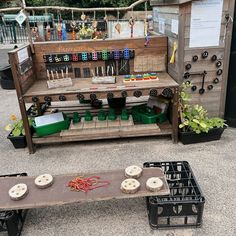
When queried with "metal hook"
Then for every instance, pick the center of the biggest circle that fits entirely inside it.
(72, 15)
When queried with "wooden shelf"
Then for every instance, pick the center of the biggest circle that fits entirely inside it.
(85, 87)
(140, 131)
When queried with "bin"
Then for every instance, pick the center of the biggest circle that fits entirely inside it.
(6, 78)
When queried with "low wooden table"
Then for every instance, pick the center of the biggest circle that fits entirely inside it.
(60, 194)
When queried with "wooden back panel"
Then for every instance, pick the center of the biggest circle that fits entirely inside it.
(22, 68)
(156, 49)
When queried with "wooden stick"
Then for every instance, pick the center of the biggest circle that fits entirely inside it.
(52, 74)
(48, 75)
(75, 9)
(23, 4)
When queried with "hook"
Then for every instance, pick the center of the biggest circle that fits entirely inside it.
(72, 15)
(118, 15)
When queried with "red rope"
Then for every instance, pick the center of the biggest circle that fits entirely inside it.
(86, 184)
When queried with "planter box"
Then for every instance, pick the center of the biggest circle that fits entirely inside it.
(18, 142)
(192, 137)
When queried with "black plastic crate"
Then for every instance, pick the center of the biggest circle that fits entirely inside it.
(183, 207)
(12, 222)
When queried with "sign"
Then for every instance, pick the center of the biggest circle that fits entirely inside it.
(125, 30)
(205, 23)
(20, 18)
(155, 14)
(162, 25)
(175, 26)
(22, 55)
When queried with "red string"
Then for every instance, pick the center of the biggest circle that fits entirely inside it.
(86, 184)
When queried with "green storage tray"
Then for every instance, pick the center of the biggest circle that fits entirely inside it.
(146, 115)
(45, 130)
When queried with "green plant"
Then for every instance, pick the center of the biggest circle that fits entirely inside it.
(17, 128)
(195, 117)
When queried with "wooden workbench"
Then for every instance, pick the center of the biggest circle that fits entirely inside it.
(60, 194)
(30, 77)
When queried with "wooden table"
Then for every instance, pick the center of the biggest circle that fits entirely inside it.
(60, 194)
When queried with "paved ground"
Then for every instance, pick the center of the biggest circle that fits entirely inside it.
(214, 165)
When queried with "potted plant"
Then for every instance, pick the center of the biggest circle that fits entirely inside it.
(17, 132)
(195, 125)
(86, 32)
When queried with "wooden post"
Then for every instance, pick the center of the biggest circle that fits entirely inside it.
(13, 62)
(28, 26)
(175, 115)
(228, 39)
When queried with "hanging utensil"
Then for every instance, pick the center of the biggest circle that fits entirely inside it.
(118, 25)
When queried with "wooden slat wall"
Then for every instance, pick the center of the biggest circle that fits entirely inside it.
(168, 13)
(157, 47)
(210, 99)
(27, 79)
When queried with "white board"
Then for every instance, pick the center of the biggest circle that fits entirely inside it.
(125, 31)
(205, 23)
(22, 54)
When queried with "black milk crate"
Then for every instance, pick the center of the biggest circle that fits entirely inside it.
(183, 207)
(12, 221)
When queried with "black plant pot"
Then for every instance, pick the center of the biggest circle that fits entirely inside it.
(116, 103)
(18, 142)
(192, 137)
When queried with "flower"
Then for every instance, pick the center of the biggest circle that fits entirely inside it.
(8, 127)
(13, 117)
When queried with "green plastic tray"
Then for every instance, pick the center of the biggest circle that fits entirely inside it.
(146, 115)
(45, 130)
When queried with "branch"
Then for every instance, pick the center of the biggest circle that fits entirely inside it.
(76, 9)
(10, 9)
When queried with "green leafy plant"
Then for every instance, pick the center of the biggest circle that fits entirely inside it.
(17, 128)
(195, 117)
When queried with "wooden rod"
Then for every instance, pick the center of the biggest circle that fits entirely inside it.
(10, 9)
(23, 4)
(75, 9)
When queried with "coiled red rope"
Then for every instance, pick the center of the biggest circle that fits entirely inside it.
(86, 184)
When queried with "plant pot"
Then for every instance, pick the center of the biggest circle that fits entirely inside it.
(192, 137)
(116, 103)
(18, 142)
